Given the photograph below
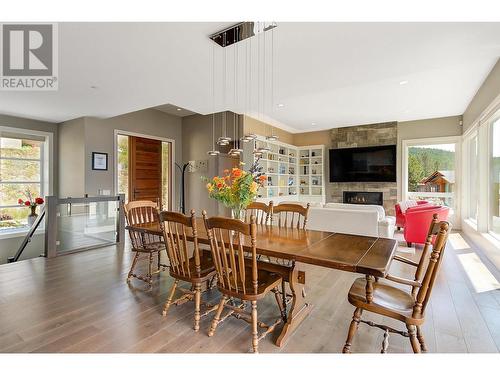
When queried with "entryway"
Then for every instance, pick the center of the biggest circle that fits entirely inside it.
(144, 166)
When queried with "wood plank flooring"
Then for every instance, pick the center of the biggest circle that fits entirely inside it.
(81, 303)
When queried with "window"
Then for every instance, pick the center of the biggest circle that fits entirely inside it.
(431, 172)
(21, 171)
(123, 147)
(472, 180)
(494, 195)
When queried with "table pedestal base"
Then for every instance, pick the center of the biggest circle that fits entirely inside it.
(299, 308)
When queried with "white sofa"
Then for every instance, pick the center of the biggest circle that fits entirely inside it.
(367, 220)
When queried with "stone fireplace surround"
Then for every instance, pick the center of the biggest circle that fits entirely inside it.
(364, 136)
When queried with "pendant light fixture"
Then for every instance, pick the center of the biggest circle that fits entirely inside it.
(236, 150)
(224, 139)
(225, 38)
(272, 137)
(213, 151)
(261, 150)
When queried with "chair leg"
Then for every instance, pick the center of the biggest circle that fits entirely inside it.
(150, 271)
(134, 263)
(420, 338)
(159, 260)
(216, 319)
(408, 244)
(415, 344)
(197, 303)
(170, 298)
(385, 342)
(255, 333)
(352, 329)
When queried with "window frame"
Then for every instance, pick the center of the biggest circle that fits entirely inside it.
(457, 140)
(491, 122)
(46, 168)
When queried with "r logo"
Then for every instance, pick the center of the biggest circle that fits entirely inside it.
(27, 50)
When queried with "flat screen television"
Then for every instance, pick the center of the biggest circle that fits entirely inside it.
(363, 164)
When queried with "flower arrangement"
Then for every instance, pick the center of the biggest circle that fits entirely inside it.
(31, 202)
(236, 189)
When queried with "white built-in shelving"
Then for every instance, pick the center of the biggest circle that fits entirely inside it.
(293, 173)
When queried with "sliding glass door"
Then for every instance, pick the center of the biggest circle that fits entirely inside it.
(430, 171)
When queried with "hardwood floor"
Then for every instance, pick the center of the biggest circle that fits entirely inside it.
(81, 303)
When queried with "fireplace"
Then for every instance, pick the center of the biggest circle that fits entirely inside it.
(364, 197)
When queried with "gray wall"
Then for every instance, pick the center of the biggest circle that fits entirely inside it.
(72, 163)
(196, 141)
(488, 91)
(98, 136)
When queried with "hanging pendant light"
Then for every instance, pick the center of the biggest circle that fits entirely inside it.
(273, 137)
(213, 151)
(224, 139)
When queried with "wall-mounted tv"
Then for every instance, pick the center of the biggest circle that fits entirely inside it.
(363, 164)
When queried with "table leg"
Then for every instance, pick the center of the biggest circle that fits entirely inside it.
(299, 308)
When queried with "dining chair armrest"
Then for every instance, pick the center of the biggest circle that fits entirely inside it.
(405, 260)
(401, 280)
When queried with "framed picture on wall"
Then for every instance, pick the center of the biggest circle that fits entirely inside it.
(99, 161)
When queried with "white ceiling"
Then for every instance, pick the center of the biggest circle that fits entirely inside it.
(329, 74)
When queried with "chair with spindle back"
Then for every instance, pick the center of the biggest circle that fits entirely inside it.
(290, 215)
(261, 211)
(393, 302)
(139, 213)
(194, 267)
(239, 276)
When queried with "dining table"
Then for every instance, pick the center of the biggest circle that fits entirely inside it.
(289, 247)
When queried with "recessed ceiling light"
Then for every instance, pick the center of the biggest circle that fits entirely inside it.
(179, 109)
(281, 105)
(94, 87)
(403, 82)
(313, 123)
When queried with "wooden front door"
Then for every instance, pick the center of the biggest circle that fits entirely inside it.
(145, 169)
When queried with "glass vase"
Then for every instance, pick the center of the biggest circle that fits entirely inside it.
(238, 213)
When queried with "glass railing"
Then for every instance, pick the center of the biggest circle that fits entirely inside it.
(86, 224)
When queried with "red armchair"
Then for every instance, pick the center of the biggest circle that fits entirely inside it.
(418, 221)
(401, 217)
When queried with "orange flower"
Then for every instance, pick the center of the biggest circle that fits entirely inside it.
(237, 172)
(219, 185)
(262, 178)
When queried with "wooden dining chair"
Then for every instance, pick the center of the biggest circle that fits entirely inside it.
(290, 215)
(261, 211)
(239, 277)
(382, 298)
(194, 267)
(143, 242)
(139, 213)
